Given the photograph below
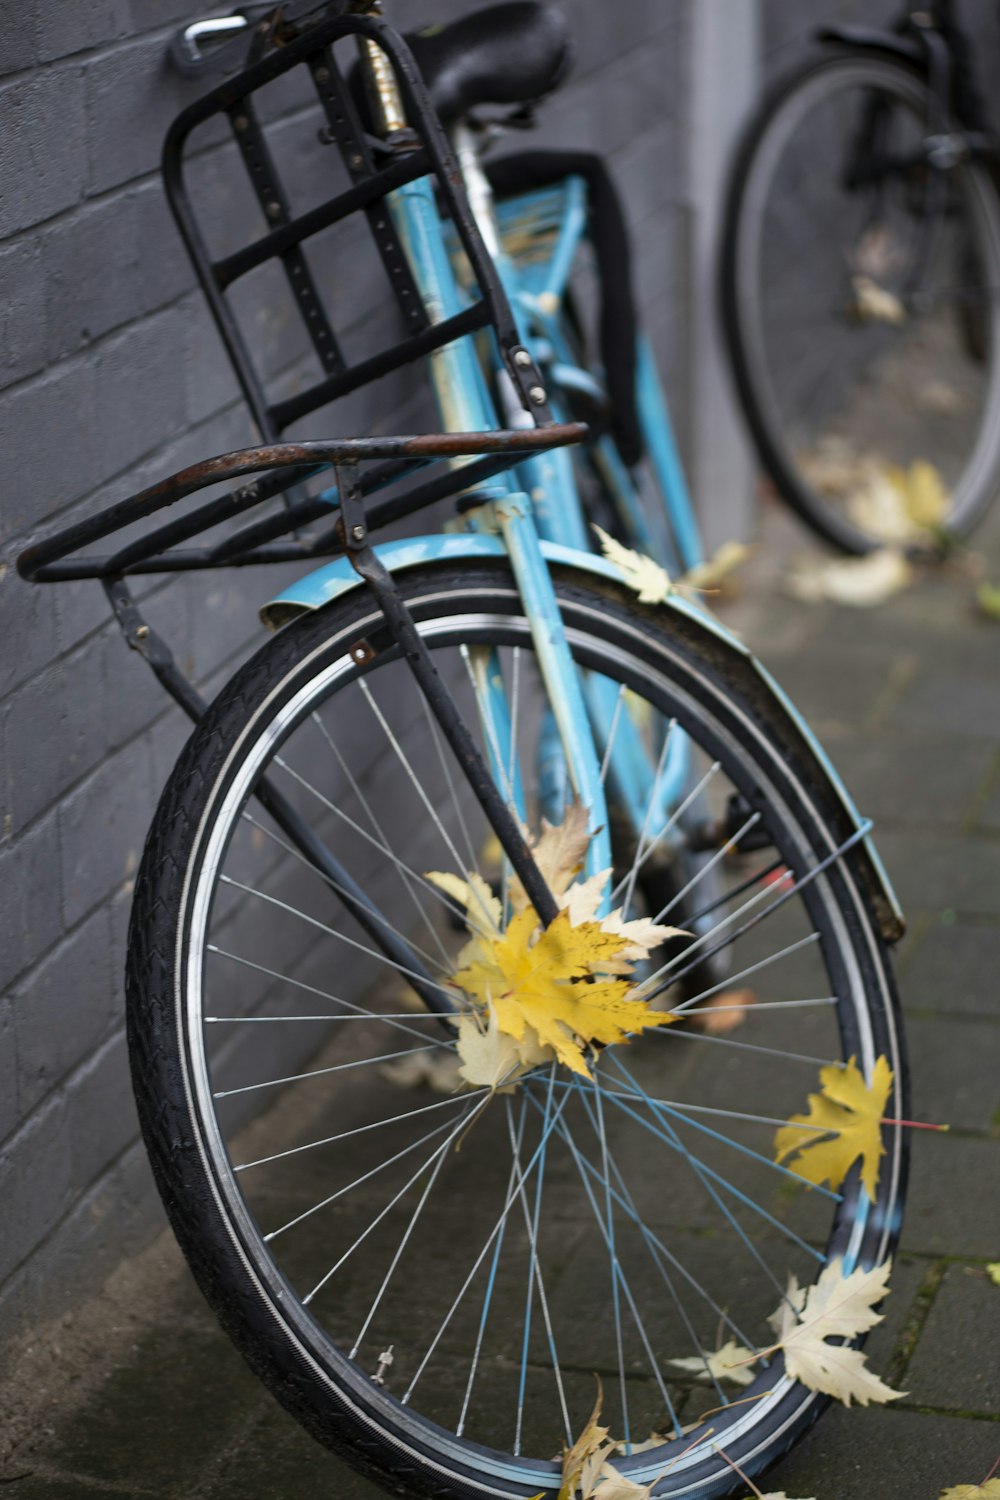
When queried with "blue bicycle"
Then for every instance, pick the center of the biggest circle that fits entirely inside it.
(481, 820)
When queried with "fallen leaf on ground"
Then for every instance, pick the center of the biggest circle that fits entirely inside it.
(436, 1070)
(722, 1012)
(835, 1306)
(993, 1272)
(859, 582)
(988, 600)
(988, 1491)
(728, 1363)
(650, 581)
(851, 1111)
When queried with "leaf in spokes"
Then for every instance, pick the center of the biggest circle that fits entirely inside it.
(551, 984)
(851, 1111)
(646, 577)
(835, 1306)
(728, 1363)
(492, 1059)
(559, 852)
(593, 1440)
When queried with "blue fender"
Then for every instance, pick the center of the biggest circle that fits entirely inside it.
(337, 578)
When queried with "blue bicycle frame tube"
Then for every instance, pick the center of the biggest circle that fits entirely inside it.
(464, 404)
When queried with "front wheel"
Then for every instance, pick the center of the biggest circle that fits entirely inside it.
(861, 303)
(429, 1277)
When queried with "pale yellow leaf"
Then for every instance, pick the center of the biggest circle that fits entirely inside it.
(728, 1363)
(655, 1440)
(835, 1306)
(433, 1070)
(993, 1272)
(851, 1112)
(646, 577)
(492, 1059)
(925, 496)
(710, 573)
(776, 1495)
(858, 582)
(615, 1486)
(878, 506)
(641, 934)
(876, 304)
(593, 1438)
(483, 911)
(988, 1491)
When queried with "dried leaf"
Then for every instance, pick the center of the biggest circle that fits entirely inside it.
(650, 581)
(492, 1059)
(434, 1070)
(851, 1111)
(592, 1440)
(723, 1012)
(835, 1306)
(775, 1495)
(874, 304)
(988, 1491)
(993, 1272)
(925, 495)
(710, 573)
(534, 986)
(615, 1486)
(859, 582)
(728, 1363)
(559, 852)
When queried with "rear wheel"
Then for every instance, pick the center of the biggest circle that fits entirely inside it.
(430, 1280)
(861, 299)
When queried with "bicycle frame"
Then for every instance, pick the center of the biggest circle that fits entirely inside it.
(440, 327)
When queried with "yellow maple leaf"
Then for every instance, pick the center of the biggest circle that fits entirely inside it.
(851, 1111)
(551, 985)
(923, 493)
(993, 1272)
(990, 1490)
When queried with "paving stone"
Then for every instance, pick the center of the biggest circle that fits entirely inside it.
(951, 1366)
(952, 968)
(960, 704)
(953, 1207)
(955, 1068)
(943, 872)
(902, 778)
(886, 1453)
(162, 1415)
(276, 1457)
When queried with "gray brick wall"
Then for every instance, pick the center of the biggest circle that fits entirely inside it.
(111, 376)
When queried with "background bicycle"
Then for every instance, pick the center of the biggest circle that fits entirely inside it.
(859, 280)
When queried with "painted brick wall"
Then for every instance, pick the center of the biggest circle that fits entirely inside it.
(111, 376)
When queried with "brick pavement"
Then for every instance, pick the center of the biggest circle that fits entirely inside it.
(138, 1394)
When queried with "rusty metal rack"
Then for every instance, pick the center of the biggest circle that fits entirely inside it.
(307, 526)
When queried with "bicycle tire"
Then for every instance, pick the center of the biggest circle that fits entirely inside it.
(925, 389)
(268, 720)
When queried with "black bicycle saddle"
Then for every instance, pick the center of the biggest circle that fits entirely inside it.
(513, 53)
